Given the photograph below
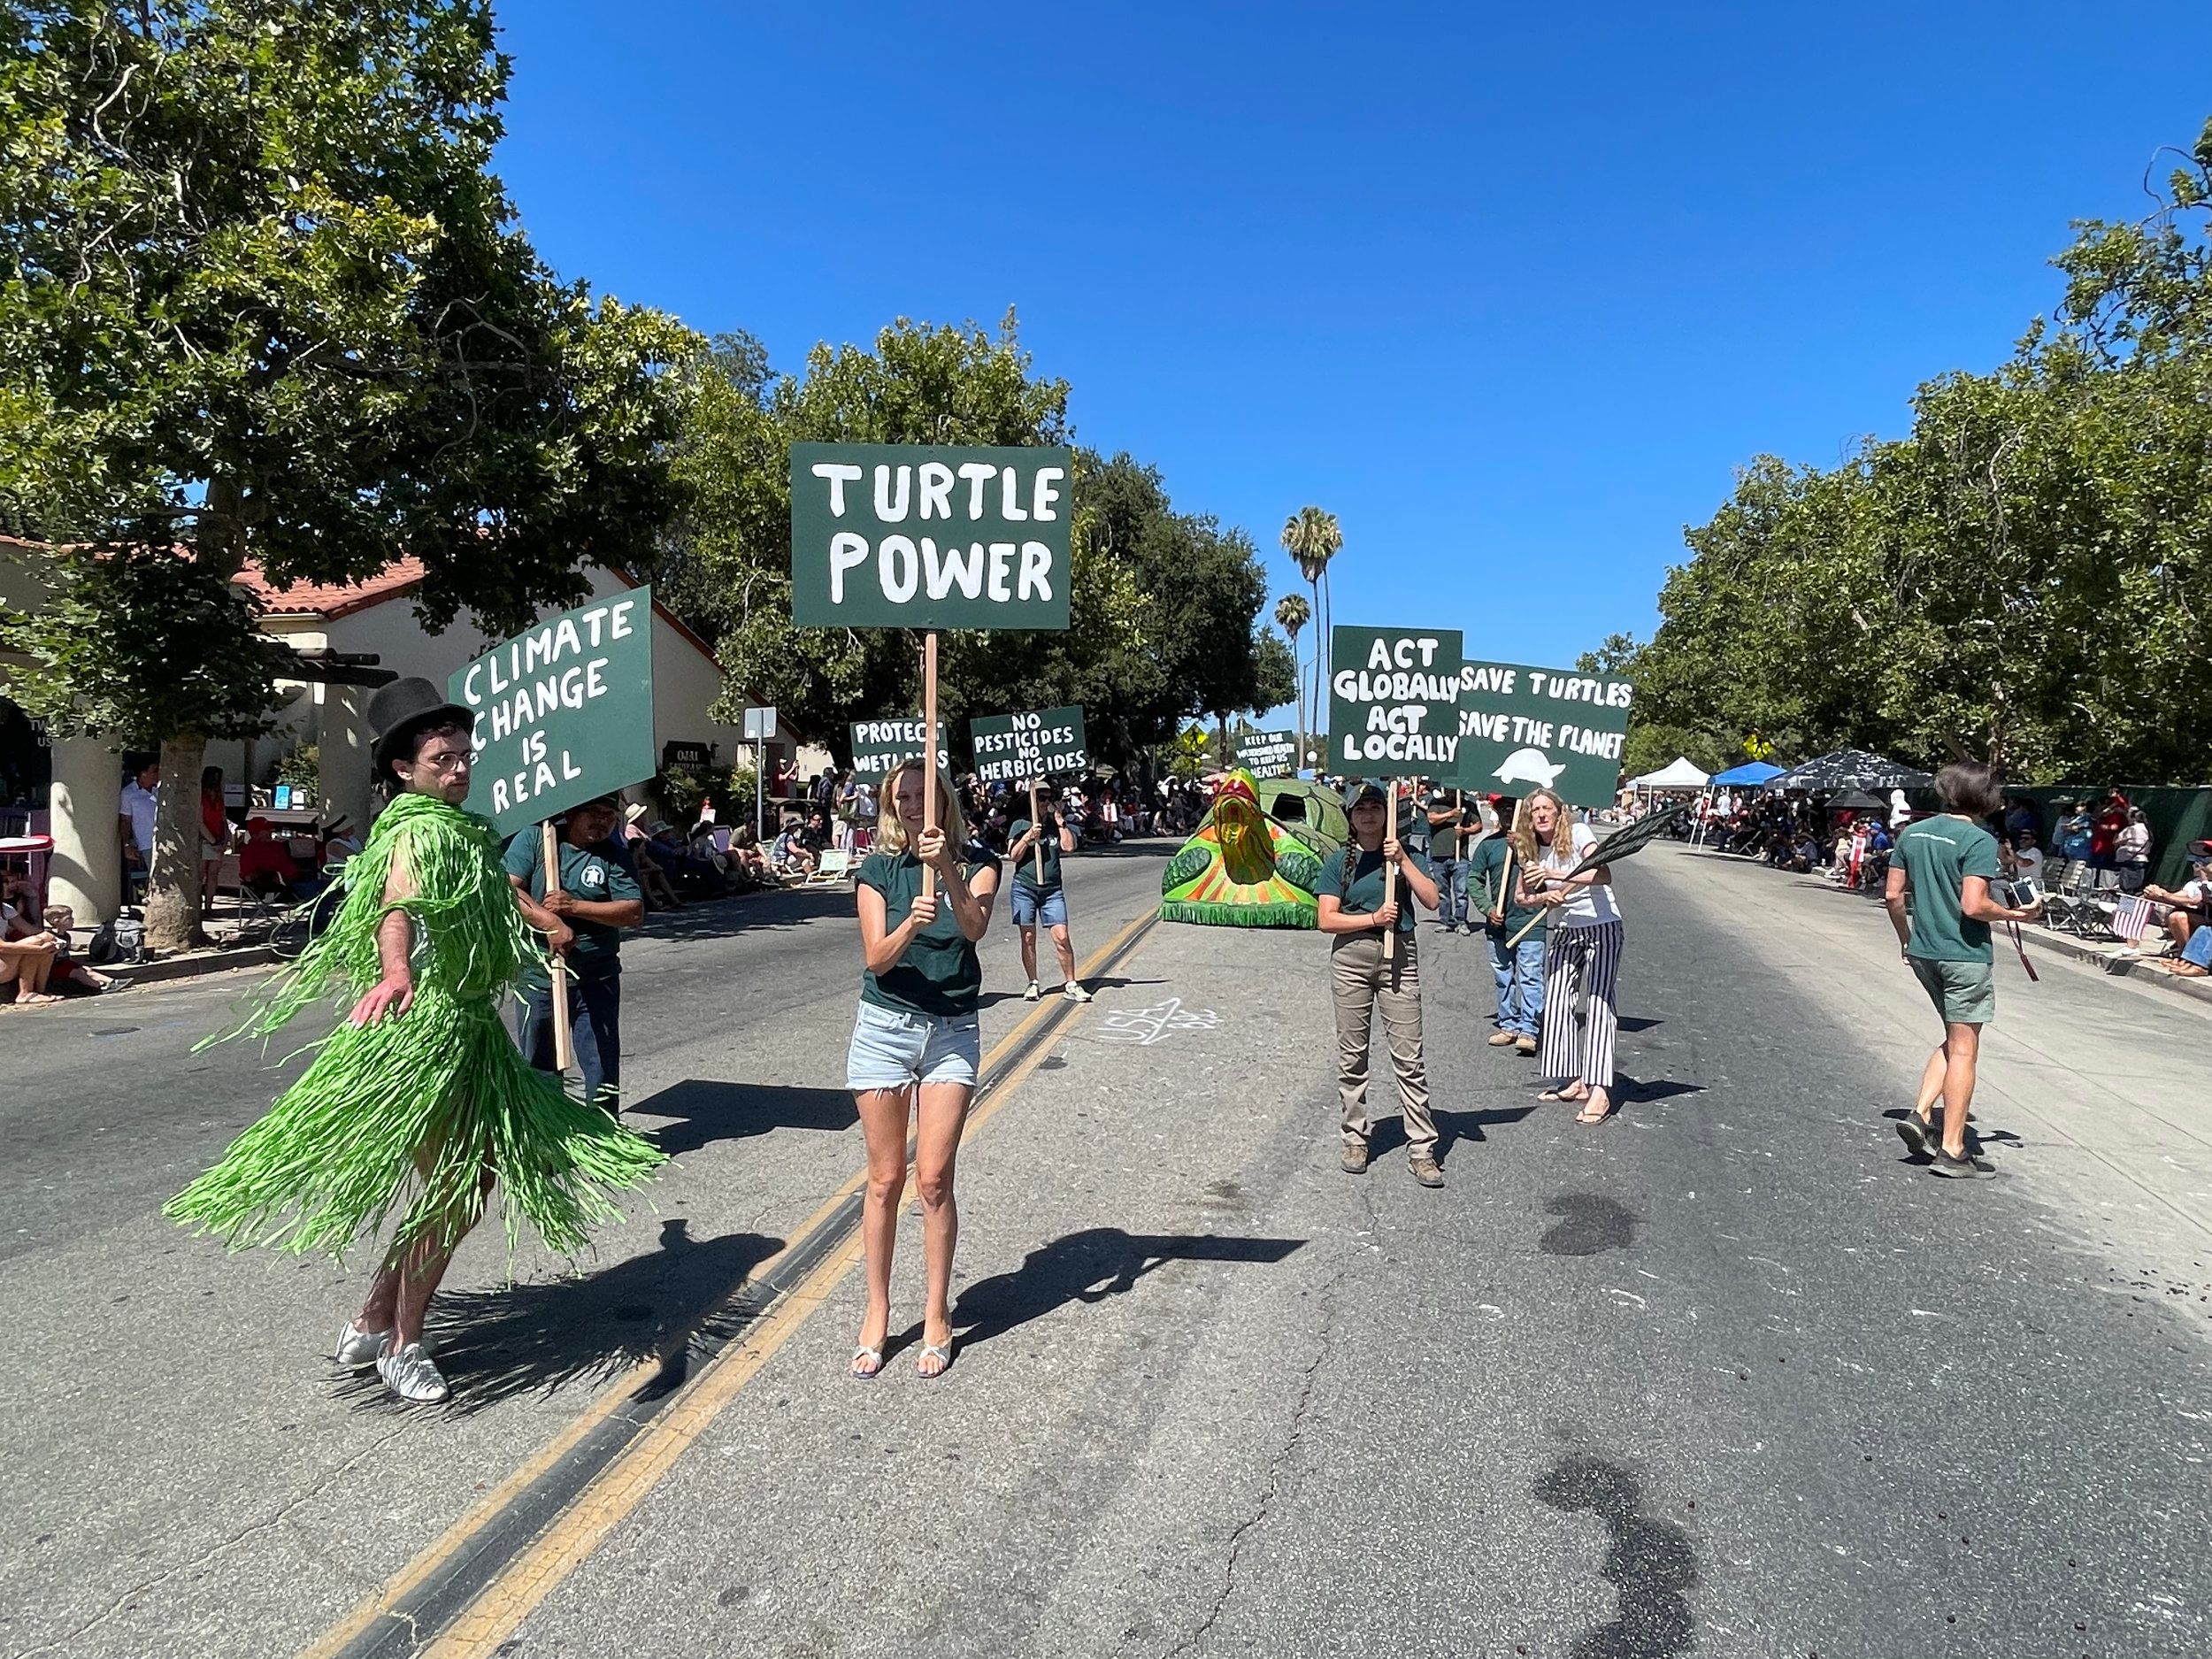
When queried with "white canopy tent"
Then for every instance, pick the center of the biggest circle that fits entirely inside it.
(1678, 773)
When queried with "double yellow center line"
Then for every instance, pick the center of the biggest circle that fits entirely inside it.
(469, 1591)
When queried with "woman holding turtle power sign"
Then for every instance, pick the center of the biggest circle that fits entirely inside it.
(1035, 850)
(917, 1044)
(1359, 907)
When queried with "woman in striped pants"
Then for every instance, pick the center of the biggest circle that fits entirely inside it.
(1581, 958)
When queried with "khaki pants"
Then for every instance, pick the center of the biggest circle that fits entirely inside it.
(1361, 980)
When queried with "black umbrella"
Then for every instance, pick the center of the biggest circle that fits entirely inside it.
(1856, 801)
(1851, 769)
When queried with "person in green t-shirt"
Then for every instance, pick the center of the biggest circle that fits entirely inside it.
(1519, 969)
(599, 896)
(917, 1044)
(1947, 863)
(1035, 850)
(1449, 838)
(1359, 912)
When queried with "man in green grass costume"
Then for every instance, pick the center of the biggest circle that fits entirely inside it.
(420, 1092)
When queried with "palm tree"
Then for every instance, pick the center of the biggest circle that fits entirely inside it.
(1313, 537)
(1292, 613)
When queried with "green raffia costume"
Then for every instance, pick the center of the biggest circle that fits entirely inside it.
(330, 1160)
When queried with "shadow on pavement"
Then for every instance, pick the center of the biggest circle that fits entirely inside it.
(1090, 1266)
(1626, 1088)
(1051, 982)
(708, 1110)
(750, 913)
(532, 1338)
(1387, 1135)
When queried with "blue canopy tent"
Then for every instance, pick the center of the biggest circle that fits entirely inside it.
(1750, 775)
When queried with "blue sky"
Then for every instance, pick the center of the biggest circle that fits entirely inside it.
(1509, 290)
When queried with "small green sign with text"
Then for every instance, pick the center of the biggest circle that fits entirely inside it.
(1394, 702)
(1523, 727)
(563, 711)
(879, 746)
(1015, 748)
(1268, 754)
(901, 535)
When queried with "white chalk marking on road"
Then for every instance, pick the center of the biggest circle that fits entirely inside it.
(1145, 1026)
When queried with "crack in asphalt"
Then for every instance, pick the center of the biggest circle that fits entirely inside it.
(1323, 1348)
(66, 1643)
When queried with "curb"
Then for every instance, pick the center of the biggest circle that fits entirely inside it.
(2119, 967)
(189, 966)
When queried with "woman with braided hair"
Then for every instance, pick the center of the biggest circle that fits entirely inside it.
(420, 1092)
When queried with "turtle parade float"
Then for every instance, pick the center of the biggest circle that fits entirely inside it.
(1243, 867)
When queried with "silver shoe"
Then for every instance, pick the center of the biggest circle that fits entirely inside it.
(357, 1348)
(410, 1374)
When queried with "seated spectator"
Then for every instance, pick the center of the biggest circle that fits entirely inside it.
(651, 879)
(790, 856)
(27, 955)
(746, 861)
(2195, 961)
(61, 921)
(267, 867)
(2189, 902)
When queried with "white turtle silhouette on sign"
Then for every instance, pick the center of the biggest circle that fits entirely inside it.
(1528, 766)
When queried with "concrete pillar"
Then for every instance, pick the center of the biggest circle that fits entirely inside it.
(88, 866)
(342, 753)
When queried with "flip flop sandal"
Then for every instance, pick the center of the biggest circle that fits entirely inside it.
(873, 1354)
(941, 1353)
(1562, 1097)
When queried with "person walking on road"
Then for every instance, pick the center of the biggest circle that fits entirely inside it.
(1946, 864)
(420, 1089)
(1039, 894)
(1449, 837)
(1582, 957)
(598, 898)
(917, 1044)
(1359, 913)
(1518, 968)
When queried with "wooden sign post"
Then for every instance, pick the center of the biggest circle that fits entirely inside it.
(929, 768)
(1390, 874)
(564, 1035)
(1037, 824)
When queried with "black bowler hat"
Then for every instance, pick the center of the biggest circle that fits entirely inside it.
(402, 709)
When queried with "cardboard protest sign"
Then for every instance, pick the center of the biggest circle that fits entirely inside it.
(563, 711)
(1014, 747)
(1268, 754)
(1521, 728)
(879, 746)
(1393, 701)
(929, 536)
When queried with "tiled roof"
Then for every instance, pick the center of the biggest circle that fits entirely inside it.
(331, 600)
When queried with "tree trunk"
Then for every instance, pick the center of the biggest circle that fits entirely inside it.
(173, 877)
(1320, 650)
(1298, 677)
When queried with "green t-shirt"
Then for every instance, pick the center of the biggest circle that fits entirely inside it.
(1026, 868)
(586, 873)
(1937, 854)
(1449, 839)
(1358, 886)
(939, 974)
(1484, 872)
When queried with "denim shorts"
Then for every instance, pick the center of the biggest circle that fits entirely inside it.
(893, 1049)
(1028, 908)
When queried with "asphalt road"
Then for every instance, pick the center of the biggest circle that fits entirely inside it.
(1724, 1376)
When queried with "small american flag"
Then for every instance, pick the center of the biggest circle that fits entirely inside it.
(2131, 919)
